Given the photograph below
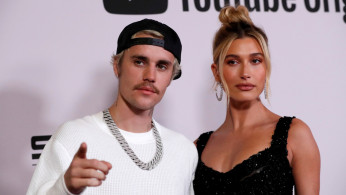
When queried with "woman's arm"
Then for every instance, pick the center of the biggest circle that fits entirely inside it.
(305, 159)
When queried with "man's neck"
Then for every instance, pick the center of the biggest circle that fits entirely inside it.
(130, 119)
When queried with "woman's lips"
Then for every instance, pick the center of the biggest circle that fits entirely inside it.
(245, 87)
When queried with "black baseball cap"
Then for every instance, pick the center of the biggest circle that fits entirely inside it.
(170, 41)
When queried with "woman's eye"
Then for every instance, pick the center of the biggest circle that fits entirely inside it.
(232, 62)
(256, 61)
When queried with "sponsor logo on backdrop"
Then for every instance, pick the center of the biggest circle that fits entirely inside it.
(135, 6)
(37, 145)
(312, 6)
(160, 6)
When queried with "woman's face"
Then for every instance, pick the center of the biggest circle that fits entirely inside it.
(244, 70)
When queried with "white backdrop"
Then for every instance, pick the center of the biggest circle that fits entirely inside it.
(55, 66)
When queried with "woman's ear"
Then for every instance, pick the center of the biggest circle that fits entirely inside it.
(216, 72)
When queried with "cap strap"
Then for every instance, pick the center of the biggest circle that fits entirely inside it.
(145, 41)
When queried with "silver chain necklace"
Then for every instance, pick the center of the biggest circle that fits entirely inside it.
(115, 131)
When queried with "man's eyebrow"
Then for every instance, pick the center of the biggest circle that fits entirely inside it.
(146, 59)
(167, 62)
(140, 57)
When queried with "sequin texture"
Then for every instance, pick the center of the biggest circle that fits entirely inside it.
(267, 172)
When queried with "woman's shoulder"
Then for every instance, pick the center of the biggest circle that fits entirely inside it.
(299, 130)
(294, 126)
(300, 137)
(203, 137)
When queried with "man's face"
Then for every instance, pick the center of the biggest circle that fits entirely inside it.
(144, 74)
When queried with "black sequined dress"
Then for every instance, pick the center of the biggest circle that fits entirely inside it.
(267, 172)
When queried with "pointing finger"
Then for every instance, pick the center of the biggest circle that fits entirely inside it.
(81, 153)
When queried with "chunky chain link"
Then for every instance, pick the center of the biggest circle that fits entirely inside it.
(115, 131)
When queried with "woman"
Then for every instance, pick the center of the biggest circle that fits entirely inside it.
(254, 151)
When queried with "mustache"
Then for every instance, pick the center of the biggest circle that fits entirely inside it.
(147, 84)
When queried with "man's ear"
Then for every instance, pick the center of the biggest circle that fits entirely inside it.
(216, 72)
(115, 67)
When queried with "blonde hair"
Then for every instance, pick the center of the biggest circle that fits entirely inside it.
(235, 24)
(118, 58)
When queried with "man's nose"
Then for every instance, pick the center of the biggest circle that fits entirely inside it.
(149, 74)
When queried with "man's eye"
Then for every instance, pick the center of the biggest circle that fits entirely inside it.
(139, 63)
(162, 67)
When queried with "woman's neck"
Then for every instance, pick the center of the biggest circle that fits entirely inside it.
(241, 115)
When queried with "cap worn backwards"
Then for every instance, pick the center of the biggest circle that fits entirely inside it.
(170, 41)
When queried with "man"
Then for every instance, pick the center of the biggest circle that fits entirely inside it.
(122, 150)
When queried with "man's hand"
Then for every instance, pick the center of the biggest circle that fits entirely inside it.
(85, 172)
